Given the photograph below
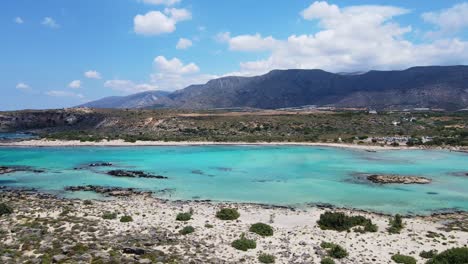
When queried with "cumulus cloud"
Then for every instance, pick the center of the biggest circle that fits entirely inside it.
(75, 84)
(58, 93)
(92, 74)
(173, 74)
(127, 86)
(23, 86)
(448, 21)
(156, 22)
(161, 2)
(50, 22)
(184, 43)
(355, 38)
(18, 20)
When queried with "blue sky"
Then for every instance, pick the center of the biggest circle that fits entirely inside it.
(57, 53)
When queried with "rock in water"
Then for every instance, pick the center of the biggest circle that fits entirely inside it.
(134, 174)
(387, 179)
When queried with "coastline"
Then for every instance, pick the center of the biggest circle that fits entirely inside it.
(122, 143)
(154, 229)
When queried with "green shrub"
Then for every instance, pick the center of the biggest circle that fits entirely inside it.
(327, 261)
(261, 229)
(341, 222)
(126, 219)
(327, 245)
(187, 230)
(227, 214)
(183, 216)
(266, 258)
(428, 254)
(87, 202)
(209, 226)
(5, 209)
(243, 243)
(337, 252)
(396, 224)
(403, 259)
(451, 256)
(109, 215)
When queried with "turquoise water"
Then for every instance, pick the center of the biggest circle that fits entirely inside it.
(281, 175)
(8, 136)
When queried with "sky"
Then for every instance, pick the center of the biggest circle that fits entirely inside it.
(62, 53)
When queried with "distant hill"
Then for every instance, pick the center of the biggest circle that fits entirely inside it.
(443, 87)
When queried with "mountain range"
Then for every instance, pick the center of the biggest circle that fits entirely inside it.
(444, 87)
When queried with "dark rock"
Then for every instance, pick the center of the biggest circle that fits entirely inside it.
(133, 251)
(102, 164)
(134, 174)
(387, 179)
(12, 169)
(109, 191)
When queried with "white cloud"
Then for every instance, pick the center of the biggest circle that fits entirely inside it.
(156, 22)
(58, 93)
(249, 42)
(18, 20)
(75, 84)
(448, 21)
(92, 74)
(50, 22)
(128, 86)
(173, 74)
(23, 86)
(161, 2)
(355, 38)
(184, 43)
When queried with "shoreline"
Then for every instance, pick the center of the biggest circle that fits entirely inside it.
(154, 229)
(122, 143)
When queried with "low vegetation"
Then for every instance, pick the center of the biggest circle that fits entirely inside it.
(261, 229)
(187, 230)
(451, 256)
(183, 217)
(228, 214)
(327, 261)
(266, 258)
(126, 219)
(428, 254)
(243, 243)
(395, 224)
(109, 216)
(5, 209)
(398, 258)
(334, 250)
(341, 222)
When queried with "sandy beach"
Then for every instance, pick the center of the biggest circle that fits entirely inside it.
(296, 238)
(122, 143)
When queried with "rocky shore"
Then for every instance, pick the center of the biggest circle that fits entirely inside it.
(138, 228)
(388, 179)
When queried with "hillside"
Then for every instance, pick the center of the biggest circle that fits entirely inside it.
(443, 87)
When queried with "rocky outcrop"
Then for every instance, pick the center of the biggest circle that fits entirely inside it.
(108, 191)
(11, 169)
(390, 178)
(134, 174)
(100, 164)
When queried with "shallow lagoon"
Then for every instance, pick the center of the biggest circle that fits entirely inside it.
(281, 175)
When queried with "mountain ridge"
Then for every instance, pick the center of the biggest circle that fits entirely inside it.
(422, 86)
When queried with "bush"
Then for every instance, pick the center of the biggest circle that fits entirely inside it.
(261, 229)
(266, 258)
(396, 225)
(327, 245)
(243, 243)
(5, 209)
(451, 256)
(183, 216)
(403, 259)
(337, 252)
(327, 261)
(109, 215)
(227, 214)
(341, 222)
(126, 219)
(428, 254)
(187, 230)
(87, 202)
